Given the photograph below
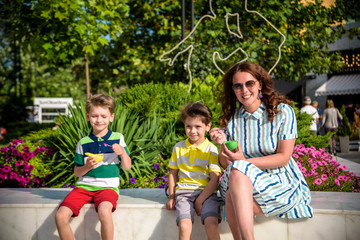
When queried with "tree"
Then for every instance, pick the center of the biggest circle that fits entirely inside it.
(308, 28)
(124, 40)
(86, 26)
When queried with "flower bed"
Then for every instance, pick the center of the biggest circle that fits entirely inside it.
(322, 172)
(22, 165)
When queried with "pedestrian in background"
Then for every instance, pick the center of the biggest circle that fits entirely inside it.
(315, 104)
(331, 117)
(311, 111)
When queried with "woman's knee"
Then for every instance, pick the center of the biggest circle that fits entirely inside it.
(237, 177)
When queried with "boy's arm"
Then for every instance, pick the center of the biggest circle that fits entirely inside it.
(208, 190)
(80, 171)
(173, 175)
(125, 159)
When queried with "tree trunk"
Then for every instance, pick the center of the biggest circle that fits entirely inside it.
(87, 76)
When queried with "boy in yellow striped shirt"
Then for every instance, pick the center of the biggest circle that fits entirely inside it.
(194, 175)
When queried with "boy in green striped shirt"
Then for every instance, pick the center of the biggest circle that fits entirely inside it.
(97, 160)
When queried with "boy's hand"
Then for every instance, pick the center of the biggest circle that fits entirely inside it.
(118, 149)
(90, 163)
(198, 206)
(170, 205)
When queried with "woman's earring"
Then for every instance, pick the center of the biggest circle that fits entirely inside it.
(260, 94)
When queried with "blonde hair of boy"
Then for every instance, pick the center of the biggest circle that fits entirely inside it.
(101, 100)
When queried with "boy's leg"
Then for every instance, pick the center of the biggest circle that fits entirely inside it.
(105, 203)
(70, 207)
(211, 216)
(185, 229)
(62, 219)
(184, 207)
(212, 228)
(106, 220)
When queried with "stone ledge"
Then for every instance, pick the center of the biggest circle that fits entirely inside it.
(141, 214)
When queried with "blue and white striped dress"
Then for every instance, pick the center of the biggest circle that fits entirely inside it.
(282, 191)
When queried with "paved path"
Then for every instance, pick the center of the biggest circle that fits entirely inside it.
(351, 160)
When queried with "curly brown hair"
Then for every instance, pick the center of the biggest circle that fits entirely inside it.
(227, 98)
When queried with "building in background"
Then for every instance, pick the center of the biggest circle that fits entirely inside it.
(46, 109)
(342, 87)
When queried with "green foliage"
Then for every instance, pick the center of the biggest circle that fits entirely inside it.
(345, 128)
(126, 38)
(202, 90)
(149, 99)
(19, 130)
(304, 134)
(166, 100)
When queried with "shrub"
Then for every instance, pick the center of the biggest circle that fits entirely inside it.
(322, 172)
(162, 99)
(166, 100)
(304, 134)
(17, 130)
(345, 128)
(156, 179)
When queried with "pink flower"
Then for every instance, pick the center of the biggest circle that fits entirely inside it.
(18, 163)
(314, 165)
(341, 178)
(295, 155)
(6, 168)
(343, 167)
(298, 164)
(13, 175)
(324, 177)
(311, 172)
(318, 181)
(303, 169)
(337, 182)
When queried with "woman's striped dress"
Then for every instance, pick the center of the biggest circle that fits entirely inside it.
(282, 191)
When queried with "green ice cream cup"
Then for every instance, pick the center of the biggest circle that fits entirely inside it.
(231, 145)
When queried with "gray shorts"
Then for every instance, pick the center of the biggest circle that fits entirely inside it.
(185, 201)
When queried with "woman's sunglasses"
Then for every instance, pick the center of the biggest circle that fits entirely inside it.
(239, 86)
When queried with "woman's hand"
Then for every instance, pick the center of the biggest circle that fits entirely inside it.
(227, 156)
(217, 135)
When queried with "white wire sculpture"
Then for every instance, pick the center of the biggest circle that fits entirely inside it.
(216, 54)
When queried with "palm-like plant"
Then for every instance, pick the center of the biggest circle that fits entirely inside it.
(140, 136)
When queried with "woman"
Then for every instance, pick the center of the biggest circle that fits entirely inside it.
(330, 121)
(261, 177)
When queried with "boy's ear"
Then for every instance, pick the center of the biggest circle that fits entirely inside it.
(112, 117)
(208, 127)
(87, 117)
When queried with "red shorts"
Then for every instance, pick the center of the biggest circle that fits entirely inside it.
(76, 199)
